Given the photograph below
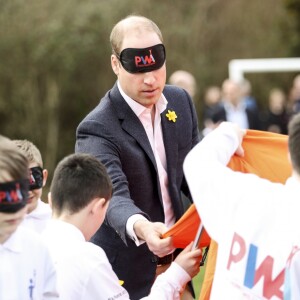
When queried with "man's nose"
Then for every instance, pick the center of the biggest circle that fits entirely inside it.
(149, 78)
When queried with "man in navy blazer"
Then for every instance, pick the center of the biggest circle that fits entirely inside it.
(141, 131)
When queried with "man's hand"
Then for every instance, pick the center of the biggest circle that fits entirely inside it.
(189, 260)
(152, 233)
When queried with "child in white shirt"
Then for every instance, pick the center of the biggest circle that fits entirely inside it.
(26, 268)
(39, 212)
(254, 221)
(79, 195)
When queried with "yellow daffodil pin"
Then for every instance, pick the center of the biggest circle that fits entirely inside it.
(171, 115)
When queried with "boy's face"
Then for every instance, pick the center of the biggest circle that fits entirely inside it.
(9, 221)
(35, 195)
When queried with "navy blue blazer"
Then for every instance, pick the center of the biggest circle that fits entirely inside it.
(115, 135)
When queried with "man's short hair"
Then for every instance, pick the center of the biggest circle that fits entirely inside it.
(294, 142)
(32, 153)
(131, 23)
(78, 179)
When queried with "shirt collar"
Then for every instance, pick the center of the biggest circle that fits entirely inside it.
(229, 107)
(65, 229)
(139, 109)
(14, 243)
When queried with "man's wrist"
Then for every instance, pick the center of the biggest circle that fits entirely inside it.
(130, 228)
(140, 227)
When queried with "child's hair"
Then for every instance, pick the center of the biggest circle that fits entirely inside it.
(12, 161)
(77, 180)
(32, 153)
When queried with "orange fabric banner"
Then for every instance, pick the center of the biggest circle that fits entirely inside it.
(266, 155)
(185, 229)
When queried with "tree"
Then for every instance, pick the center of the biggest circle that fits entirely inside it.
(55, 55)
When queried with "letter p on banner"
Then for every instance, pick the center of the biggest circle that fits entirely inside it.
(237, 250)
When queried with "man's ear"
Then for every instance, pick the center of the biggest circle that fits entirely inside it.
(115, 64)
(45, 176)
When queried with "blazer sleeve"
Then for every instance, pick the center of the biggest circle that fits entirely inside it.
(99, 139)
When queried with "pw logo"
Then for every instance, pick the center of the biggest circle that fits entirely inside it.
(272, 286)
(143, 61)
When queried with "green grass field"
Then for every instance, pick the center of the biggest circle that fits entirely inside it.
(197, 281)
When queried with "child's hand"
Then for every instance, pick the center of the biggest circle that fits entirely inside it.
(240, 134)
(189, 260)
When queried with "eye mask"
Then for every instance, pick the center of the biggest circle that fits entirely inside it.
(142, 60)
(36, 178)
(13, 195)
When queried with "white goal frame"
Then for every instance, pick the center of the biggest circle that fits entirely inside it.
(237, 67)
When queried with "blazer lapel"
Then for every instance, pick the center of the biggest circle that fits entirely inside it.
(133, 126)
(131, 123)
(169, 130)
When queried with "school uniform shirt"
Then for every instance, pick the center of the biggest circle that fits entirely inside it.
(27, 271)
(38, 218)
(84, 271)
(253, 220)
(271, 155)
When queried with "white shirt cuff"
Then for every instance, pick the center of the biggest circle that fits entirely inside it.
(129, 228)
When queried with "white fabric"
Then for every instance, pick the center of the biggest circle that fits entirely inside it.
(26, 269)
(255, 222)
(84, 271)
(154, 134)
(38, 218)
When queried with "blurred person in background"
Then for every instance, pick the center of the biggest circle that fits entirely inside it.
(294, 97)
(246, 89)
(234, 108)
(212, 103)
(184, 80)
(275, 118)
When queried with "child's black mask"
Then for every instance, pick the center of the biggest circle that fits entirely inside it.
(36, 178)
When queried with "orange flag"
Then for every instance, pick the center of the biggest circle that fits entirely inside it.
(266, 155)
